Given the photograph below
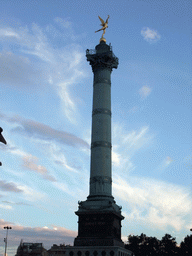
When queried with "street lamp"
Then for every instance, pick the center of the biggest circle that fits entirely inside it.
(5, 239)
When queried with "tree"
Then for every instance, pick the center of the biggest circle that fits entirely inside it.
(151, 246)
(186, 246)
(133, 244)
(143, 245)
(168, 246)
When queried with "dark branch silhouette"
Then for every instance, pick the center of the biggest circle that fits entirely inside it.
(2, 139)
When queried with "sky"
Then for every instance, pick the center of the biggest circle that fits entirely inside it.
(45, 112)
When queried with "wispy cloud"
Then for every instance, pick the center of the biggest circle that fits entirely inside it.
(150, 35)
(35, 129)
(126, 144)
(14, 203)
(69, 106)
(133, 110)
(116, 158)
(6, 207)
(153, 202)
(8, 32)
(12, 149)
(31, 194)
(168, 161)
(30, 163)
(60, 159)
(132, 140)
(38, 62)
(145, 91)
(64, 23)
(149, 201)
(18, 71)
(165, 163)
(10, 187)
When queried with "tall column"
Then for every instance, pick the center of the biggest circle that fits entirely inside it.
(102, 62)
(99, 216)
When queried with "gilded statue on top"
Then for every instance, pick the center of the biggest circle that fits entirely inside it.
(104, 26)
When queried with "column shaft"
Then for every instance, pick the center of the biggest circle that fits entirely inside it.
(100, 178)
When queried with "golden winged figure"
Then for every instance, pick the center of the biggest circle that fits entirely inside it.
(104, 24)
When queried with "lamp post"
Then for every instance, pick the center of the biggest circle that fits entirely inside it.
(5, 239)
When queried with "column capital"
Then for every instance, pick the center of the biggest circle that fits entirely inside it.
(102, 57)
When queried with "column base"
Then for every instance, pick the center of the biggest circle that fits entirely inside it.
(99, 227)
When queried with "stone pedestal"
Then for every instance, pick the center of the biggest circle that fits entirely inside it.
(99, 229)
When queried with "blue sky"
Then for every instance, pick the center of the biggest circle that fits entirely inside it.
(46, 105)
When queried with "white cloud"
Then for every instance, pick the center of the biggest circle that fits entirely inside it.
(136, 139)
(124, 239)
(31, 194)
(145, 91)
(8, 33)
(116, 158)
(132, 140)
(68, 104)
(59, 158)
(72, 189)
(150, 35)
(30, 163)
(189, 226)
(62, 22)
(60, 67)
(64, 187)
(165, 163)
(153, 202)
(126, 144)
(6, 207)
(12, 149)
